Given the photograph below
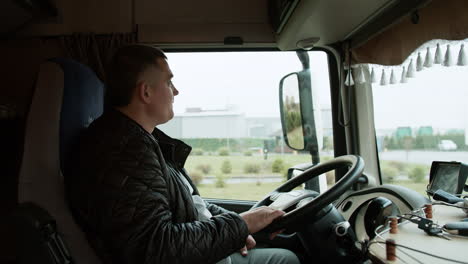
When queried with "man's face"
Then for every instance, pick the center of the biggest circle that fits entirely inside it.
(161, 92)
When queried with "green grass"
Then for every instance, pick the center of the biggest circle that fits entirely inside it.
(238, 162)
(419, 187)
(242, 191)
(238, 191)
(252, 191)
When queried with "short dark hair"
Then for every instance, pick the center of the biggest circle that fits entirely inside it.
(124, 69)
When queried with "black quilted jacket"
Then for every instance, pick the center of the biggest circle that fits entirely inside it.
(136, 210)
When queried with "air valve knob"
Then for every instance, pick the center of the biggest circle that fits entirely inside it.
(341, 229)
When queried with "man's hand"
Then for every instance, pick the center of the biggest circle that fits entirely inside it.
(249, 244)
(260, 217)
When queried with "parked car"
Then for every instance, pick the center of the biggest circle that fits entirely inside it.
(446, 145)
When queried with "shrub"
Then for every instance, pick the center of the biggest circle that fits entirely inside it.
(327, 143)
(223, 151)
(330, 175)
(284, 172)
(401, 167)
(197, 177)
(389, 174)
(252, 168)
(205, 168)
(197, 152)
(220, 181)
(277, 166)
(417, 173)
(226, 167)
(248, 153)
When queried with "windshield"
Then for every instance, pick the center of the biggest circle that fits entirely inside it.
(424, 118)
(228, 111)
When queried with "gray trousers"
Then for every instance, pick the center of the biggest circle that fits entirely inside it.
(266, 256)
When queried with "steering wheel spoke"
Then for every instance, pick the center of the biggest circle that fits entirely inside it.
(303, 203)
(287, 200)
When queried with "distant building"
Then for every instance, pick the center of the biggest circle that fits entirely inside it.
(262, 126)
(425, 131)
(327, 123)
(228, 123)
(207, 124)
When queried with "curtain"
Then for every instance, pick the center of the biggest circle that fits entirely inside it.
(95, 51)
(437, 52)
(441, 19)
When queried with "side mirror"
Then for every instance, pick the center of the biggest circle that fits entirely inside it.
(290, 108)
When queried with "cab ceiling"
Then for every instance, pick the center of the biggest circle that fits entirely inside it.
(202, 22)
(196, 23)
(329, 21)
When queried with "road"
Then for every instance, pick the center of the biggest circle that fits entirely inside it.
(424, 157)
(210, 180)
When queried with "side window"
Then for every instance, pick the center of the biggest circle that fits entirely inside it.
(228, 111)
(420, 112)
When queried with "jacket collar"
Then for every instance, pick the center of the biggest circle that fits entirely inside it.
(174, 150)
(131, 124)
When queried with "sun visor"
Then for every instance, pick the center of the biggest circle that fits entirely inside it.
(204, 33)
(213, 22)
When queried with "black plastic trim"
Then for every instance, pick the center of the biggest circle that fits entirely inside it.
(378, 160)
(339, 133)
(385, 20)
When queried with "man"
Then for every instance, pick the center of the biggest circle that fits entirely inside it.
(130, 192)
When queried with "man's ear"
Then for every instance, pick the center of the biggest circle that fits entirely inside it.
(143, 92)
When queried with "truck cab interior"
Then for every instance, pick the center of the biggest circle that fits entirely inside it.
(348, 115)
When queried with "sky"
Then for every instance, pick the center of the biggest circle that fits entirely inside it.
(250, 81)
(437, 96)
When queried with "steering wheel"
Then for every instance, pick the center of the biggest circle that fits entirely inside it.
(313, 206)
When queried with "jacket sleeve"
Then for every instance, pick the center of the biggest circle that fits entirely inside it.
(215, 209)
(140, 228)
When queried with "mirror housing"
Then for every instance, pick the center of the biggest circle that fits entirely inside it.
(291, 118)
(301, 135)
(296, 103)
